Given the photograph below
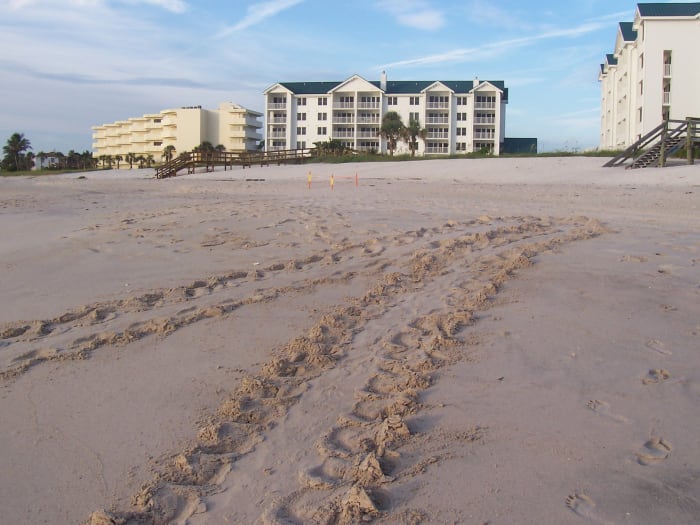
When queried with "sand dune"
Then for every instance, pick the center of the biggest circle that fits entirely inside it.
(487, 341)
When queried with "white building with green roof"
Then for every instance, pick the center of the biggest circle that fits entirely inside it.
(458, 116)
(653, 73)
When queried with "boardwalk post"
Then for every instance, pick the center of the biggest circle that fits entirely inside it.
(690, 141)
(662, 152)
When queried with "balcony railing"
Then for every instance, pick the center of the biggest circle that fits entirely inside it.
(344, 120)
(485, 105)
(367, 134)
(343, 105)
(434, 135)
(368, 105)
(484, 120)
(434, 149)
(484, 135)
(438, 105)
(277, 135)
(667, 70)
(368, 120)
(437, 120)
(344, 134)
(277, 105)
(278, 120)
(667, 98)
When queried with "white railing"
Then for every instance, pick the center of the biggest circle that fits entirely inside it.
(344, 134)
(277, 135)
(368, 105)
(276, 148)
(484, 120)
(485, 105)
(437, 120)
(433, 135)
(367, 148)
(368, 120)
(438, 105)
(278, 120)
(667, 70)
(276, 105)
(343, 120)
(368, 134)
(667, 98)
(343, 105)
(484, 135)
(432, 149)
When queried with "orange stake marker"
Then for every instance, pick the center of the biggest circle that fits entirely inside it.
(332, 182)
(308, 179)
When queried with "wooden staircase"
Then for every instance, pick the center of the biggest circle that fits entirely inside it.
(656, 146)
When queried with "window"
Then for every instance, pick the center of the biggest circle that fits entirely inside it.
(461, 132)
(301, 130)
(461, 146)
(391, 101)
(462, 117)
(157, 121)
(414, 101)
(301, 101)
(461, 101)
(323, 116)
(322, 130)
(279, 100)
(641, 61)
(413, 117)
(322, 101)
(158, 143)
(640, 114)
(301, 116)
(641, 87)
(301, 144)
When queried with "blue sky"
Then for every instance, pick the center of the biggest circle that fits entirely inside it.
(67, 65)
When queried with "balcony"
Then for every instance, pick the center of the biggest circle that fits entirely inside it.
(484, 120)
(343, 120)
(437, 120)
(368, 120)
(277, 120)
(277, 135)
(344, 134)
(437, 135)
(438, 105)
(368, 105)
(667, 98)
(368, 134)
(484, 135)
(343, 105)
(485, 105)
(277, 105)
(667, 70)
(436, 149)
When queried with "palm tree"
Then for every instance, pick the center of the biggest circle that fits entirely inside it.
(14, 150)
(411, 133)
(130, 158)
(168, 153)
(149, 160)
(391, 130)
(118, 159)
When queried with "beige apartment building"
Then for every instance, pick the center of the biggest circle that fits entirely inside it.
(233, 126)
(653, 73)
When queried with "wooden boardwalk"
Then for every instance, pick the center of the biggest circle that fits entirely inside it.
(191, 160)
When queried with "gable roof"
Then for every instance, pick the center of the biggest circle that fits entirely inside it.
(627, 32)
(671, 9)
(393, 87)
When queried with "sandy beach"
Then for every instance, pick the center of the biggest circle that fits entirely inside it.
(449, 341)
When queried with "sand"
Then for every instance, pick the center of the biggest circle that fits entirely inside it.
(450, 341)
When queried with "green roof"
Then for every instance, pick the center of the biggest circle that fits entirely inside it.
(673, 9)
(393, 87)
(628, 34)
(611, 60)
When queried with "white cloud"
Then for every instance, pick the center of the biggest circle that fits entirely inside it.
(259, 12)
(175, 6)
(479, 53)
(413, 13)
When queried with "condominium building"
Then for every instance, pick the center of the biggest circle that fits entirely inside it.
(653, 73)
(233, 126)
(458, 116)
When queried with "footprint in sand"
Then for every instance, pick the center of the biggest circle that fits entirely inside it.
(656, 376)
(657, 346)
(654, 451)
(584, 506)
(602, 408)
